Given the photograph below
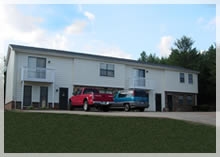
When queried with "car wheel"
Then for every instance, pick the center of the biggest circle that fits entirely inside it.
(70, 104)
(85, 105)
(127, 107)
(141, 109)
(106, 108)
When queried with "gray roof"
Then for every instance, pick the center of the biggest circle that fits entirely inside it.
(55, 52)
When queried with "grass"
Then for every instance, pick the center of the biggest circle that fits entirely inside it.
(51, 133)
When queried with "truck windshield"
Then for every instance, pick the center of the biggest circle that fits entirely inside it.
(88, 90)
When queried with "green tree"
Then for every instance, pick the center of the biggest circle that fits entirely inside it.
(152, 58)
(184, 54)
(207, 77)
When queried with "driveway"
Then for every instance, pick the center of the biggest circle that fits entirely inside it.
(199, 117)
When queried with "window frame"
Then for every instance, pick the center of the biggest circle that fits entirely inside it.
(189, 101)
(182, 77)
(180, 99)
(190, 78)
(107, 70)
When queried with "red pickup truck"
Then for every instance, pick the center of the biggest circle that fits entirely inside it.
(89, 97)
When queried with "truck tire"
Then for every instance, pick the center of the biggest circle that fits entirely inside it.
(71, 106)
(141, 109)
(127, 107)
(106, 108)
(85, 106)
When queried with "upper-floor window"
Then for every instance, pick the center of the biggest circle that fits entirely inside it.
(140, 73)
(190, 78)
(139, 79)
(107, 70)
(182, 78)
(36, 67)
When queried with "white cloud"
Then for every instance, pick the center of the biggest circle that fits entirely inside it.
(76, 27)
(101, 48)
(71, 37)
(200, 20)
(211, 24)
(165, 46)
(208, 24)
(89, 15)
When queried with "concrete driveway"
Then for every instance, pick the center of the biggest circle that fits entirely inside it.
(199, 117)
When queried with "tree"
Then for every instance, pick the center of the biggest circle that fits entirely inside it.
(187, 56)
(152, 58)
(184, 54)
(143, 57)
(184, 44)
(207, 77)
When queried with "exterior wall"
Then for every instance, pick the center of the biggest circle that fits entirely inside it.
(63, 77)
(70, 72)
(10, 78)
(87, 72)
(158, 83)
(172, 82)
(176, 106)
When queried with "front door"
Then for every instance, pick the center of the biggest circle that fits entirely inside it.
(27, 95)
(63, 98)
(43, 96)
(158, 102)
(170, 102)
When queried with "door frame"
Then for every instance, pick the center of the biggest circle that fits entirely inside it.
(27, 86)
(159, 96)
(41, 87)
(170, 102)
(60, 98)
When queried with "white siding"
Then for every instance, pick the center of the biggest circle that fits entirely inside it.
(63, 76)
(75, 71)
(87, 72)
(10, 78)
(173, 82)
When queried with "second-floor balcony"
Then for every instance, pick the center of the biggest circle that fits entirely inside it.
(37, 74)
(141, 83)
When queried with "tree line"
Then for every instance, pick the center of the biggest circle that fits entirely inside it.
(185, 55)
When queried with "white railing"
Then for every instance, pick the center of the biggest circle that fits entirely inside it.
(37, 74)
(141, 83)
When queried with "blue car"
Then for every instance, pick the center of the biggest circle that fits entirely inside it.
(131, 99)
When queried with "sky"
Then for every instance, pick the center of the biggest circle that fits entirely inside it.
(119, 30)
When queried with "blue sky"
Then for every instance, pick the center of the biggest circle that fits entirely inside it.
(111, 30)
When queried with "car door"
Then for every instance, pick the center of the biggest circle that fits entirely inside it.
(76, 99)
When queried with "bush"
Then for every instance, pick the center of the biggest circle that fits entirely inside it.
(204, 107)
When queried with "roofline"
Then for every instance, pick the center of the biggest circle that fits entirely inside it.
(63, 53)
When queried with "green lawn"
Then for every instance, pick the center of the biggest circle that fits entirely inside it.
(45, 133)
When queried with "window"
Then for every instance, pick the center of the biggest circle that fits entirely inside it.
(180, 100)
(189, 100)
(182, 78)
(36, 67)
(107, 70)
(140, 73)
(139, 79)
(190, 78)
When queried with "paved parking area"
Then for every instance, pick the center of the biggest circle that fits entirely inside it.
(200, 117)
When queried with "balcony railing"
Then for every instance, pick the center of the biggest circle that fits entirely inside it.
(37, 74)
(141, 83)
